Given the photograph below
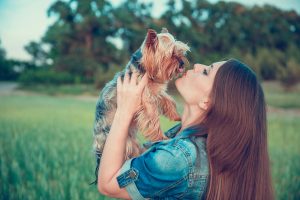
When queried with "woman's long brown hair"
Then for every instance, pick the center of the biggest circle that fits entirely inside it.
(237, 136)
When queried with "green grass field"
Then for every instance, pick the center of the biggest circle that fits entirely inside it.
(45, 149)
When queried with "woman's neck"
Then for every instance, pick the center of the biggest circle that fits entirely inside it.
(192, 115)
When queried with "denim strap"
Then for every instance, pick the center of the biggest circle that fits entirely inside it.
(126, 179)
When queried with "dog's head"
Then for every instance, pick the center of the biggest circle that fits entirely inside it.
(163, 57)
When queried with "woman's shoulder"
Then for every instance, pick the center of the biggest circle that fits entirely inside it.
(168, 156)
(181, 152)
(191, 147)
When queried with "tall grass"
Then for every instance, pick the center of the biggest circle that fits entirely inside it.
(284, 149)
(45, 149)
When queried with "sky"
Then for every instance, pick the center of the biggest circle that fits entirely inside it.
(23, 21)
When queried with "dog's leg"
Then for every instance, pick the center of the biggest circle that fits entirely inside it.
(105, 111)
(133, 148)
(101, 130)
(168, 107)
(148, 121)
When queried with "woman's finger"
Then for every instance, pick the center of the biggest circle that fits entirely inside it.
(133, 80)
(119, 83)
(144, 81)
(126, 78)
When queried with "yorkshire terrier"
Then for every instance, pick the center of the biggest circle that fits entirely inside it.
(163, 58)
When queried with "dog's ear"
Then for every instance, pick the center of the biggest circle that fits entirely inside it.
(151, 39)
(164, 30)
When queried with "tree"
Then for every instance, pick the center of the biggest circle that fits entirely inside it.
(78, 38)
(38, 53)
(6, 68)
(82, 39)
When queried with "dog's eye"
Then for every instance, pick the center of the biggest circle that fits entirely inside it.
(181, 63)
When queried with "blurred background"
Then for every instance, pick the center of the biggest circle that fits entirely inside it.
(55, 56)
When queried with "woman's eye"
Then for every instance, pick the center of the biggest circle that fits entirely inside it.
(205, 72)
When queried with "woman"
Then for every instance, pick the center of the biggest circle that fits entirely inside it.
(218, 151)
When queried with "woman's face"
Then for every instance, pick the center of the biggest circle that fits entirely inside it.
(196, 84)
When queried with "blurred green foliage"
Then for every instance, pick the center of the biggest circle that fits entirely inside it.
(31, 77)
(6, 68)
(91, 39)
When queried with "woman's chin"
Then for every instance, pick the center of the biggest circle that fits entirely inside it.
(178, 84)
(178, 79)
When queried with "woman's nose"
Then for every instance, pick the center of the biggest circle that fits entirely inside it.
(199, 67)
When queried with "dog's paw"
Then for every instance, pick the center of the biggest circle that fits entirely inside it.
(175, 117)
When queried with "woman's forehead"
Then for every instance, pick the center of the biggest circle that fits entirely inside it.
(218, 64)
(215, 66)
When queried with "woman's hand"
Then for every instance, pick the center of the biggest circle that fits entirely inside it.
(129, 93)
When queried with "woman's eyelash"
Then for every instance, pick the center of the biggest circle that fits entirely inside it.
(205, 71)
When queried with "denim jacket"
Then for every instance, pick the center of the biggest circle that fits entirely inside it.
(176, 168)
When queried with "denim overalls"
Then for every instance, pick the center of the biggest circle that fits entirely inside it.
(170, 169)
